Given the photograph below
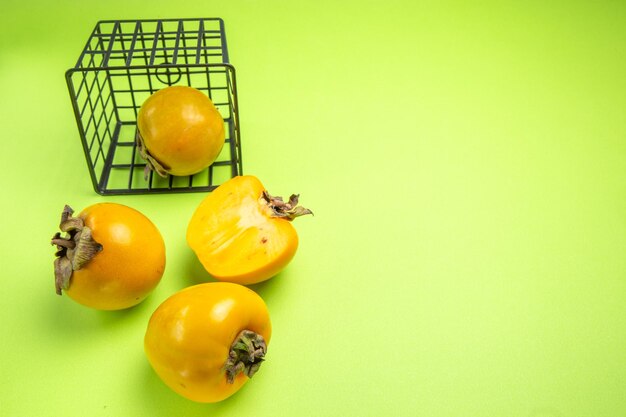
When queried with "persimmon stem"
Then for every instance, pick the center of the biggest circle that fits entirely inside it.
(287, 210)
(74, 250)
(152, 164)
(246, 355)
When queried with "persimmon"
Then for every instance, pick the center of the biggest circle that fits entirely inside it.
(240, 233)
(206, 341)
(110, 258)
(179, 131)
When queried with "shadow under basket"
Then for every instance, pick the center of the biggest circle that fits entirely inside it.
(123, 63)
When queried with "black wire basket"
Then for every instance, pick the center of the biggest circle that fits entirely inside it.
(123, 63)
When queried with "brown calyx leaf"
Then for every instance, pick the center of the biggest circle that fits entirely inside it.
(286, 210)
(246, 355)
(74, 250)
(152, 164)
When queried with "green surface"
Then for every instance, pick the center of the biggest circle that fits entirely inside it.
(466, 162)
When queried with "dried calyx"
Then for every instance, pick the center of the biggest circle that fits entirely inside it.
(287, 210)
(152, 164)
(246, 355)
(74, 249)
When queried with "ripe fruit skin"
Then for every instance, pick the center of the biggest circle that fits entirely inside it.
(181, 128)
(237, 236)
(130, 264)
(190, 334)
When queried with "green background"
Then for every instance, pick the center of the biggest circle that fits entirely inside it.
(466, 163)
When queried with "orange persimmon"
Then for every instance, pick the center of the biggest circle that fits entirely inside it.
(179, 131)
(111, 257)
(242, 234)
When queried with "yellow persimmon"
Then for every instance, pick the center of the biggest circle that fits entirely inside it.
(206, 341)
(242, 234)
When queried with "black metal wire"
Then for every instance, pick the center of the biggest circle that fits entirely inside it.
(131, 59)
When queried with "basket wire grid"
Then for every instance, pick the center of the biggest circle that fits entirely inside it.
(122, 64)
